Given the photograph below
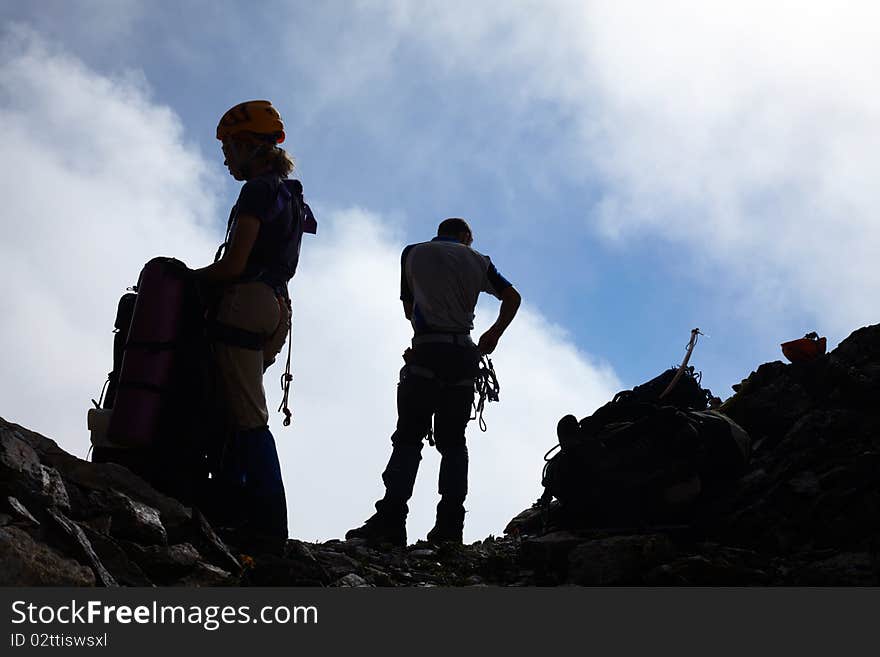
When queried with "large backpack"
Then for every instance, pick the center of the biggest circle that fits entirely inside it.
(639, 459)
(157, 411)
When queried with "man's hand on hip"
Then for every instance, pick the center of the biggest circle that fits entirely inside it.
(489, 340)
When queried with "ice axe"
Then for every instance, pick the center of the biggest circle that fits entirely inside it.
(695, 333)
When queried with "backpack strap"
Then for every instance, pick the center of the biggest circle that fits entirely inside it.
(309, 223)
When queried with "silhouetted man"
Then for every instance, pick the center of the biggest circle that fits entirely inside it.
(439, 285)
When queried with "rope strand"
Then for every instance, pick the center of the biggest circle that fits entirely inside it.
(287, 378)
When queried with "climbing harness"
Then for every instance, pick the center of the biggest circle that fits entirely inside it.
(485, 385)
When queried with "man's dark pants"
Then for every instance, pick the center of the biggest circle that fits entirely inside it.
(436, 382)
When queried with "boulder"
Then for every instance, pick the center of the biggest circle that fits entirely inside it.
(845, 569)
(205, 574)
(92, 477)
(618, 559)
(164, 565)
(81, 547)
(21, 473)
(135, 521)
(20, 511)
(210, 545)
(125, 571)
(27, 562)
(54, 491)
(351, 581)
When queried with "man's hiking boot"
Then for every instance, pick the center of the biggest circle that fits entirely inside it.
(449, 525)
(445, 534)
(379, 529)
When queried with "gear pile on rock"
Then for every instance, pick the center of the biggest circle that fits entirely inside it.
(804, 510)
(643, 458)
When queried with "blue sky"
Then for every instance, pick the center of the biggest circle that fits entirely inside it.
(635, 171)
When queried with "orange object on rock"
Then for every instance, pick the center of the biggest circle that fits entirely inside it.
(805, 349)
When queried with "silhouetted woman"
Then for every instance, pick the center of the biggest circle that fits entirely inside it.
(251, 316)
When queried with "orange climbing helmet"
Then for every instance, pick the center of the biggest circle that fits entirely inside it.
(253, 119)
(810, 347)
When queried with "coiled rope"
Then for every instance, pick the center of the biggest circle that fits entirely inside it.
(486, 387)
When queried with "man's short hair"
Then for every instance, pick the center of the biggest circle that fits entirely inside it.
(453, 227)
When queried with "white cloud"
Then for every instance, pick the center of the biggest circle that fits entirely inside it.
(95, 182)
(747, 134)
(97, 179)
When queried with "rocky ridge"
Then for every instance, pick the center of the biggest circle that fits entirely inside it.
(807, 512)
